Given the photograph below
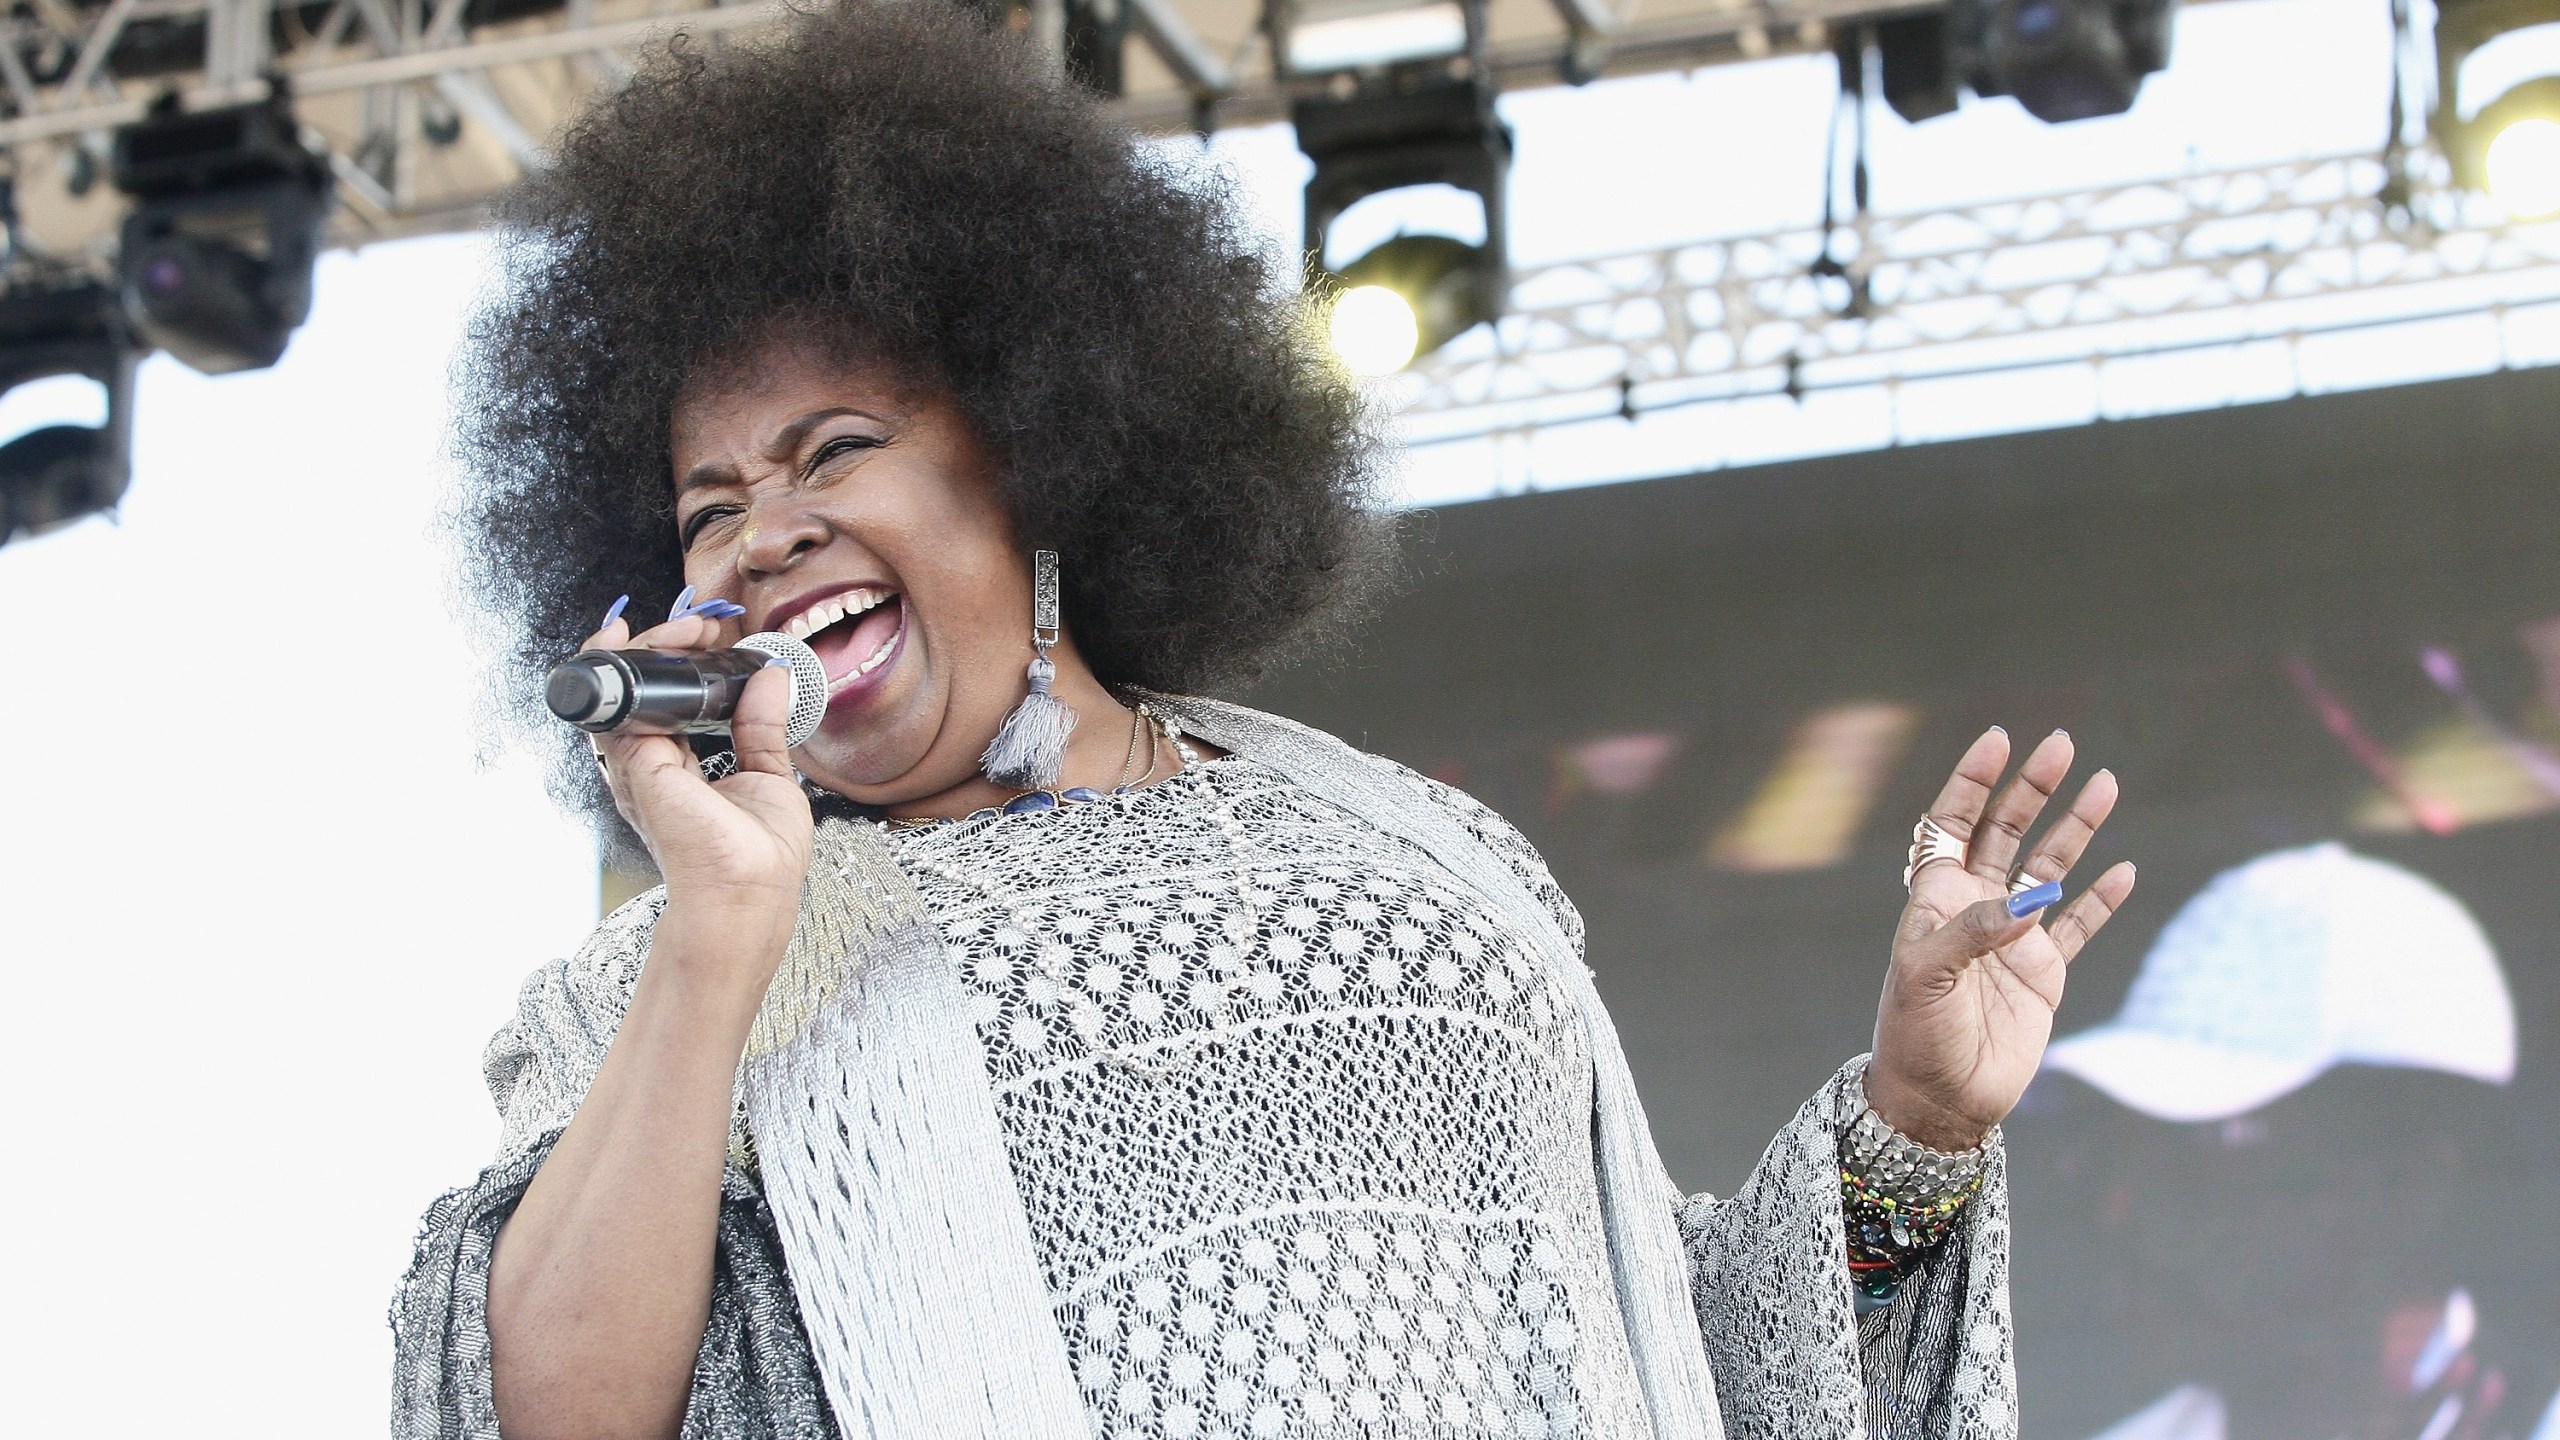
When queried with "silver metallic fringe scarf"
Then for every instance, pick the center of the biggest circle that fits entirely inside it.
(884, 1161)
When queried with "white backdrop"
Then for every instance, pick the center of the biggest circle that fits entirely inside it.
(257, 914)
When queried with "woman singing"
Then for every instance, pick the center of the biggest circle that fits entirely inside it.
(1037, 1051)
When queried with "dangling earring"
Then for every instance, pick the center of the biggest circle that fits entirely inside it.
(1031, 747)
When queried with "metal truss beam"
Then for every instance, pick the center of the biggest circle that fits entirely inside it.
(1181, 48)
(1692, 36)
(368, 74)
(423, 60)
(428, 116)
(2273, 252)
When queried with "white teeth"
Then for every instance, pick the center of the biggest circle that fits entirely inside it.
(878, 658)
(832, 609)
(867, 666)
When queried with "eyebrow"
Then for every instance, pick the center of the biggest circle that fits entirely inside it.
(784, 444)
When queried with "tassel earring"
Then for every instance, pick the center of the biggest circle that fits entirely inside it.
(1031, 747)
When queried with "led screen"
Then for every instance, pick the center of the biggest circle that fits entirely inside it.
(2294, 1172)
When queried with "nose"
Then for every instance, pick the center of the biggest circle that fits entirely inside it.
(781, 529)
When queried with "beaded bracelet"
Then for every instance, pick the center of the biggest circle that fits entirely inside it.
(1900, 1199)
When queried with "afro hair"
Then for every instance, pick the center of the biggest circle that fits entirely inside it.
(902, 184)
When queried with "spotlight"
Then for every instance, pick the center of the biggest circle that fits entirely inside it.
(1413, 293)
(1374, 330)
(2522, 166)
(2063, 59)
(2497, 110)
(229, 209)
(54, 475)
(1407, 297)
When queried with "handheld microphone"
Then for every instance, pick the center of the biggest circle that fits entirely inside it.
(668, 692)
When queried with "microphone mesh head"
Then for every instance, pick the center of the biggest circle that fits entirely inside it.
(808, 682)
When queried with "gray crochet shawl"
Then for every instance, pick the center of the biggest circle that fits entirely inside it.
(1738, 1312)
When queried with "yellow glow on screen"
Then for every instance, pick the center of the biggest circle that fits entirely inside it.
(2466, 770)
(1809, 810)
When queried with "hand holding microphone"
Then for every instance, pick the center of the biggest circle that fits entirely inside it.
(733, 852)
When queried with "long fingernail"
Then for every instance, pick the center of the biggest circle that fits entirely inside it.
(613, 614)
(683, 603)
(715, 608)
(2028, 902)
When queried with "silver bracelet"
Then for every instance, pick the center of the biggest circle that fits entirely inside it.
(1894, 1163)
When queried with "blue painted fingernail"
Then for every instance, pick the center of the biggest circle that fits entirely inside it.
(772, 661)
(2028, 902)
(683, 603)
(712, 609)
(615, 613)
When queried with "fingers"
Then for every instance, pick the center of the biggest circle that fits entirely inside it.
(630, 762)
(1957, 811)
(706, 631)
(691, 625)
(1996, 841)
(613, 631)
(2063, 845)
(2085, 916)
(1958, 807)
(757, 728)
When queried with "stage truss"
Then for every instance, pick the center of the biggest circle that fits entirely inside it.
(2275, 253)
(431, 107)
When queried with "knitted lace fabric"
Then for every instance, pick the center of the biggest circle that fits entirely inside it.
(1304, 1137)
(1305, 1142)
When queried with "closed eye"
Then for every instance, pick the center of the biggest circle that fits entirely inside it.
(836, 447)
(701, 520)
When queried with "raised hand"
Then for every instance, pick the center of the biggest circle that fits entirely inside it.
(1969, 998)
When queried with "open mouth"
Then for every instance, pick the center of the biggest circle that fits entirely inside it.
(855, 634)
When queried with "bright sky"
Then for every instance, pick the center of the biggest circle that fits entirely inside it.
(263, 911)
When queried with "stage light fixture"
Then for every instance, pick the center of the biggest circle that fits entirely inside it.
(229, 211)
(56, 474)
(2497, 103)
(2063, 60)
(1413, 293)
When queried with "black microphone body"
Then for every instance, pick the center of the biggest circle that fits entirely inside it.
(651, 692)
(676, 692)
